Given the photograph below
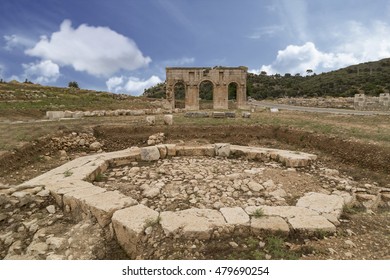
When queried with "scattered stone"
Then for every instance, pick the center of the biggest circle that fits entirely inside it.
(246, 115)
(151, 120)
(150, 153)
(95, 146)
(233, 244)
(168, 119)
(51, 209)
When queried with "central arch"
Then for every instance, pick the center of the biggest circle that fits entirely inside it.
(206, 93)
(220, 78)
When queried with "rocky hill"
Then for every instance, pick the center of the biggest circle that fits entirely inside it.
(371, 77)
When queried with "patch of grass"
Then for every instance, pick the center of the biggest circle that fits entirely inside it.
(100, 177)
(68, 173)
(276, 248)
(349, 210)
(258, 213)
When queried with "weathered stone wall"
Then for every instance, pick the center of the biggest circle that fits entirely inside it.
(220, 77)
(372, 103)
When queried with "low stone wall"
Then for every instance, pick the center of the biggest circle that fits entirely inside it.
(321, 102)
(372, 103)
(359, 102)
(56, 115)
(70, 185)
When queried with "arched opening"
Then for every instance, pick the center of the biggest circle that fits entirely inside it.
(180, 95)
(232, 95)
(206, 91)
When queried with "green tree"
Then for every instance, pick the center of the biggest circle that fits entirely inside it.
(73, 84)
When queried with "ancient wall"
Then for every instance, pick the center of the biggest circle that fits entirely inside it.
(220, 77)
(372, 103)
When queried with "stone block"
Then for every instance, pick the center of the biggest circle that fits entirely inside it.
(168, 119)
(196, 115)
(222, 149)
(129, 225)
(281, 211)
(151, 120)
(103, 205)
(269, 223)
(171, 150)
(150, 153)
(163, 150)
(246, 115)
(192, 223)
(231, 115)
(311, 224)
(206, 150)
(74, 199)
(55, 115)
(235, 216)
(322, 203)
(219, 115)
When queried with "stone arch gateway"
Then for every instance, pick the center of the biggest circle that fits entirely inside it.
(221, 77)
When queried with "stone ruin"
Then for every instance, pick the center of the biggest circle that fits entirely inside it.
(370, 103)
(220, 77)
(70, 185)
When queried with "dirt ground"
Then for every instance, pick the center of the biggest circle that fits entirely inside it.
(361, 235)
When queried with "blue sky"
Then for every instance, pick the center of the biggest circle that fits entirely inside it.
(124, 45)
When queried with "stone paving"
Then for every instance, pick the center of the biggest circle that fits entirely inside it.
(70, 185)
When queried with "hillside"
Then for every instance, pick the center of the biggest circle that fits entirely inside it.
(371, 77)
(32, 100)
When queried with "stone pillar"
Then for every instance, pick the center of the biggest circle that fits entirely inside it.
(192, 97)
(241, 96)
(384, 100)
(220, 97)
(359, 101)
(170, 95)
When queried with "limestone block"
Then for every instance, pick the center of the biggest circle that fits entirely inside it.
(282, 211)
(163, 150)
(129, 225)
(246, 115)
(55, 115)
(222, 149)
(150, 153)
(230, 115)
(269, 223)
(192, 223)
(235, 216)
(206, 150)
(151, 120)
(196, 115)
(322, 203)
(68, 114)
(103, 205)
(168, 119)
(73, 199)
(311, 224)
(78, 115)
(171, 150)
(219, 115)
(58, 190)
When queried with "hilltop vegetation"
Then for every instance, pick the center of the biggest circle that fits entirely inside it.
(33, 100)
(371, 77)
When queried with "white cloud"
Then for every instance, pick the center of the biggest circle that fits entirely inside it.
(42, 72)
(16, 41)
(353, 43)
(179, 62)
(131, 85)
(267, 31)
(98, 51)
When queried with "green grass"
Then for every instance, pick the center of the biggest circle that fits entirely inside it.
(258, 213)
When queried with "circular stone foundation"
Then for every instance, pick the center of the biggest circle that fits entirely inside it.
(181, 183)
